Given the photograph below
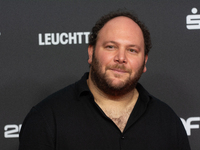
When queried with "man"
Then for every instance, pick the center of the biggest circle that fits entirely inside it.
(107, 109)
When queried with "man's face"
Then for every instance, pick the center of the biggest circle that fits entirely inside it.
(119, 59)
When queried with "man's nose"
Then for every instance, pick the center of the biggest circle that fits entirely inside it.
(120, 56)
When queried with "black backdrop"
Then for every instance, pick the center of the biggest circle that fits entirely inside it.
(43, 45)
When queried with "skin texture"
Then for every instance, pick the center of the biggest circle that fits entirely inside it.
(117, 62)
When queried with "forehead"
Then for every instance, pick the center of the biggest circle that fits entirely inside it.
(121, 27)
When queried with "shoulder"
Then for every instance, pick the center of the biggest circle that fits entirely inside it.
(153, 104)
(46, 108)
(41, 118)
(160, 112)
(163, 113)
(59, 98)
(64, 100)
(66, 96)
(159, 104)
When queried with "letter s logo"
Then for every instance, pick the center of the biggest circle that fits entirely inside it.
(193, 21)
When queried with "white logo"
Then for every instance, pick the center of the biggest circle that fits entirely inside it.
(12, 131)
(193, 21)
(63, 38)
(188, 124)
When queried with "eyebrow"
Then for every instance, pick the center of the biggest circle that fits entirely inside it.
(104, 43)
(131, 45)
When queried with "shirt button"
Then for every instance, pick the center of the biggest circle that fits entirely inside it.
(123, 137)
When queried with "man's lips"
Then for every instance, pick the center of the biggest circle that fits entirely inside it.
(119, 70)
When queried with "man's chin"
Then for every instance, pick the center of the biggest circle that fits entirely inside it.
(116, 90)
(116, 84)
(117, 81)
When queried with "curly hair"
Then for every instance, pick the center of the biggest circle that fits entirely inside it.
(104, 19)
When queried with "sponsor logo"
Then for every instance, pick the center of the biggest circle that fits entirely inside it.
(63, 38)
(189, 125)
(193, 21)
(12, 130)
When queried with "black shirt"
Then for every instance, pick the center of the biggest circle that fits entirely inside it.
(71, 120)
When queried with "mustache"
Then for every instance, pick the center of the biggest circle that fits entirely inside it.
(120, 67)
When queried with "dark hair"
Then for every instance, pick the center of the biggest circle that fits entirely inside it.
(104, 19)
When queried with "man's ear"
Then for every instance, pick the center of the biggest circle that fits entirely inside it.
(145, 61)
(90, 53)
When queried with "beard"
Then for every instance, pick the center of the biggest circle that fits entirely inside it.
(104, 83)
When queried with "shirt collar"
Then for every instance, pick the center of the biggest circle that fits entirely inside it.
(82, 86)
(143, 94)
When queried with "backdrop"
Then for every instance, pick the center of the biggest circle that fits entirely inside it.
(43, 48)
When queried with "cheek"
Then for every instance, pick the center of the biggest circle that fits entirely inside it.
(104, 59)
(136, 65)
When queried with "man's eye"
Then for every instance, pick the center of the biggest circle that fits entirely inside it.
(110, 47)
(132, 50)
